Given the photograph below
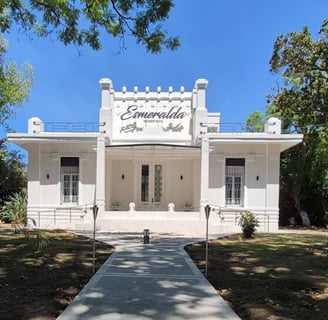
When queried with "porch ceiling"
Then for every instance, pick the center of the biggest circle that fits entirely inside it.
(153, 151)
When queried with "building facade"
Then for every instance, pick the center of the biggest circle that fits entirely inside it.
(154, 160)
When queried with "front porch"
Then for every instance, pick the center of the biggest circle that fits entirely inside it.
(151, 178)
(172, 222)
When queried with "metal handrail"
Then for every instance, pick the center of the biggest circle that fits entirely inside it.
(82, 209)
(87, 126)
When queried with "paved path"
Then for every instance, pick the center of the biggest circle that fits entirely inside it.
(148, 281)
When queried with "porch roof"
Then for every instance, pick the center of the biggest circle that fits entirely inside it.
(24, 140)
(285, 141)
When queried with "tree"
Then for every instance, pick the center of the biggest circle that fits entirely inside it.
(255, 122)
(302, 103)
(13, 176)
(15, 85)
(81, 22)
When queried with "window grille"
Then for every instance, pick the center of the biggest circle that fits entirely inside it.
(69, 180)
(158, 183)
(234, 181)
(145, 183)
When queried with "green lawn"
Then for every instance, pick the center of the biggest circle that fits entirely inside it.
(274, 276)
(35, 286)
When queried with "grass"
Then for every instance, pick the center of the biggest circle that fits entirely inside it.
(274, 276)
(36, 286)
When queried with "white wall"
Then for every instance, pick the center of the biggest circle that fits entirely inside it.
(87, 179)
(216, 180)
(121, 189)
(261, 190)
(33, 185)
(255, 192)
(180, 191)
(44, 187)
(50, 188)
(273, 161)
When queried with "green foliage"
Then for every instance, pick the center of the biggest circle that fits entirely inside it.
(325, 219)
(83, 22)
(116, 205)
(248, 223)
(255, 122)
(13, 178)
(41, 242)
(301, 100)
(14, 210)
(15, 84)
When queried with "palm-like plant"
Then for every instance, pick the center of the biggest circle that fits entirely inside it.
(15, 209)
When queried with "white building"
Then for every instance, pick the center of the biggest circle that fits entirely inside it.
(154, 161)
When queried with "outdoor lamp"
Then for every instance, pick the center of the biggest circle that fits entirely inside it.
(146, 236)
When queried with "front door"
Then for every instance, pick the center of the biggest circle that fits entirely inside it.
(151, 186)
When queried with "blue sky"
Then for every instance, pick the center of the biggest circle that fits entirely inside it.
(228, 42)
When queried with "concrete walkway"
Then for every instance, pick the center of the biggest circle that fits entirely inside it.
(148, 281)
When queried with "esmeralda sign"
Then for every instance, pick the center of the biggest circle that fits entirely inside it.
(133, 112)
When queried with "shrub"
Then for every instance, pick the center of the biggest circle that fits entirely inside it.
(248, 223)
(325, 219)
(14, 210)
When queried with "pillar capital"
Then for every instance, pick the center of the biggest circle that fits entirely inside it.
(201, 84)
(105, 83)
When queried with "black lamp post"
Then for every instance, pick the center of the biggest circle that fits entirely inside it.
(95, 213)
(207, 215)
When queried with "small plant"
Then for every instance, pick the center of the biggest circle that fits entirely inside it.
(15, 210)
(248, 223)
(187, 206)
(116, 205)
(41, 242)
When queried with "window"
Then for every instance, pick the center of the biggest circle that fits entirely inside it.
(145, 183)
(158, 183)
(234, 181)
(69, 171)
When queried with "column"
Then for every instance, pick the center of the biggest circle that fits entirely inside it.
(105, 113)
(200, 114)
(204, 172)
(100, 176)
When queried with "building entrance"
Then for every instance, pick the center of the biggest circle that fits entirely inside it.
(151, 186)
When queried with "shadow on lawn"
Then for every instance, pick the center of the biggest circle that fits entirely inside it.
(33, 286)
(270, 277)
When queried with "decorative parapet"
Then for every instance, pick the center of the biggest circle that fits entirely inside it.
(146, 115)
(106, 85)
(273, 126)
(147, 95)
(212, 123)
(35, 125)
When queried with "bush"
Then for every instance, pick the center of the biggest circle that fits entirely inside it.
(325, 219)
(248, 223)
(14, 210)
